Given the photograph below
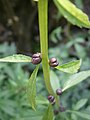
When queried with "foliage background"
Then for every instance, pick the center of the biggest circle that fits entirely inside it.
(19, 33)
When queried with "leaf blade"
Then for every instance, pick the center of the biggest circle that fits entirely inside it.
(48, 114)
(70, 67)
(41, 100)
(72, 13)
(54, 81)
(31, 88)
(16, 58)
(80, 104)
(75, 79)
(82, 115)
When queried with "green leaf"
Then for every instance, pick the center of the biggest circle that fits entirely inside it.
(80, 104)
(80, 49)
(74, 116)
(16, 58)
(54, 81)
(41, 100)
(48, 114)
(31, 88)
(83, 115)
(72, 13)
(75, 79)
(71, 67)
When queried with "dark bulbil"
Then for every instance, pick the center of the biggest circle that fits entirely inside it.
(56, 112)
(53, 102)
(62, 109)
(59, 91)
(36, 55)
(36, 58)
(53, 62)
(51, 99)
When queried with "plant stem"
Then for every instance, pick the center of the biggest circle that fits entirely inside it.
(43, 26)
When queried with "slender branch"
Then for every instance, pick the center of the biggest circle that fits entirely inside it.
(43, 26)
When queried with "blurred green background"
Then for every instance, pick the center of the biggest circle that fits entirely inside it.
(19, 33)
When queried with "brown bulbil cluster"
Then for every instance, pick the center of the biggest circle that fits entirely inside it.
(61, 109)
(53, 62)
(36, 58)
(51, 99)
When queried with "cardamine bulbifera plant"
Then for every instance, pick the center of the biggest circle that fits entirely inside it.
(76, 17)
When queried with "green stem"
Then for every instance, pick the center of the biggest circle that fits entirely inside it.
(43, 26)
